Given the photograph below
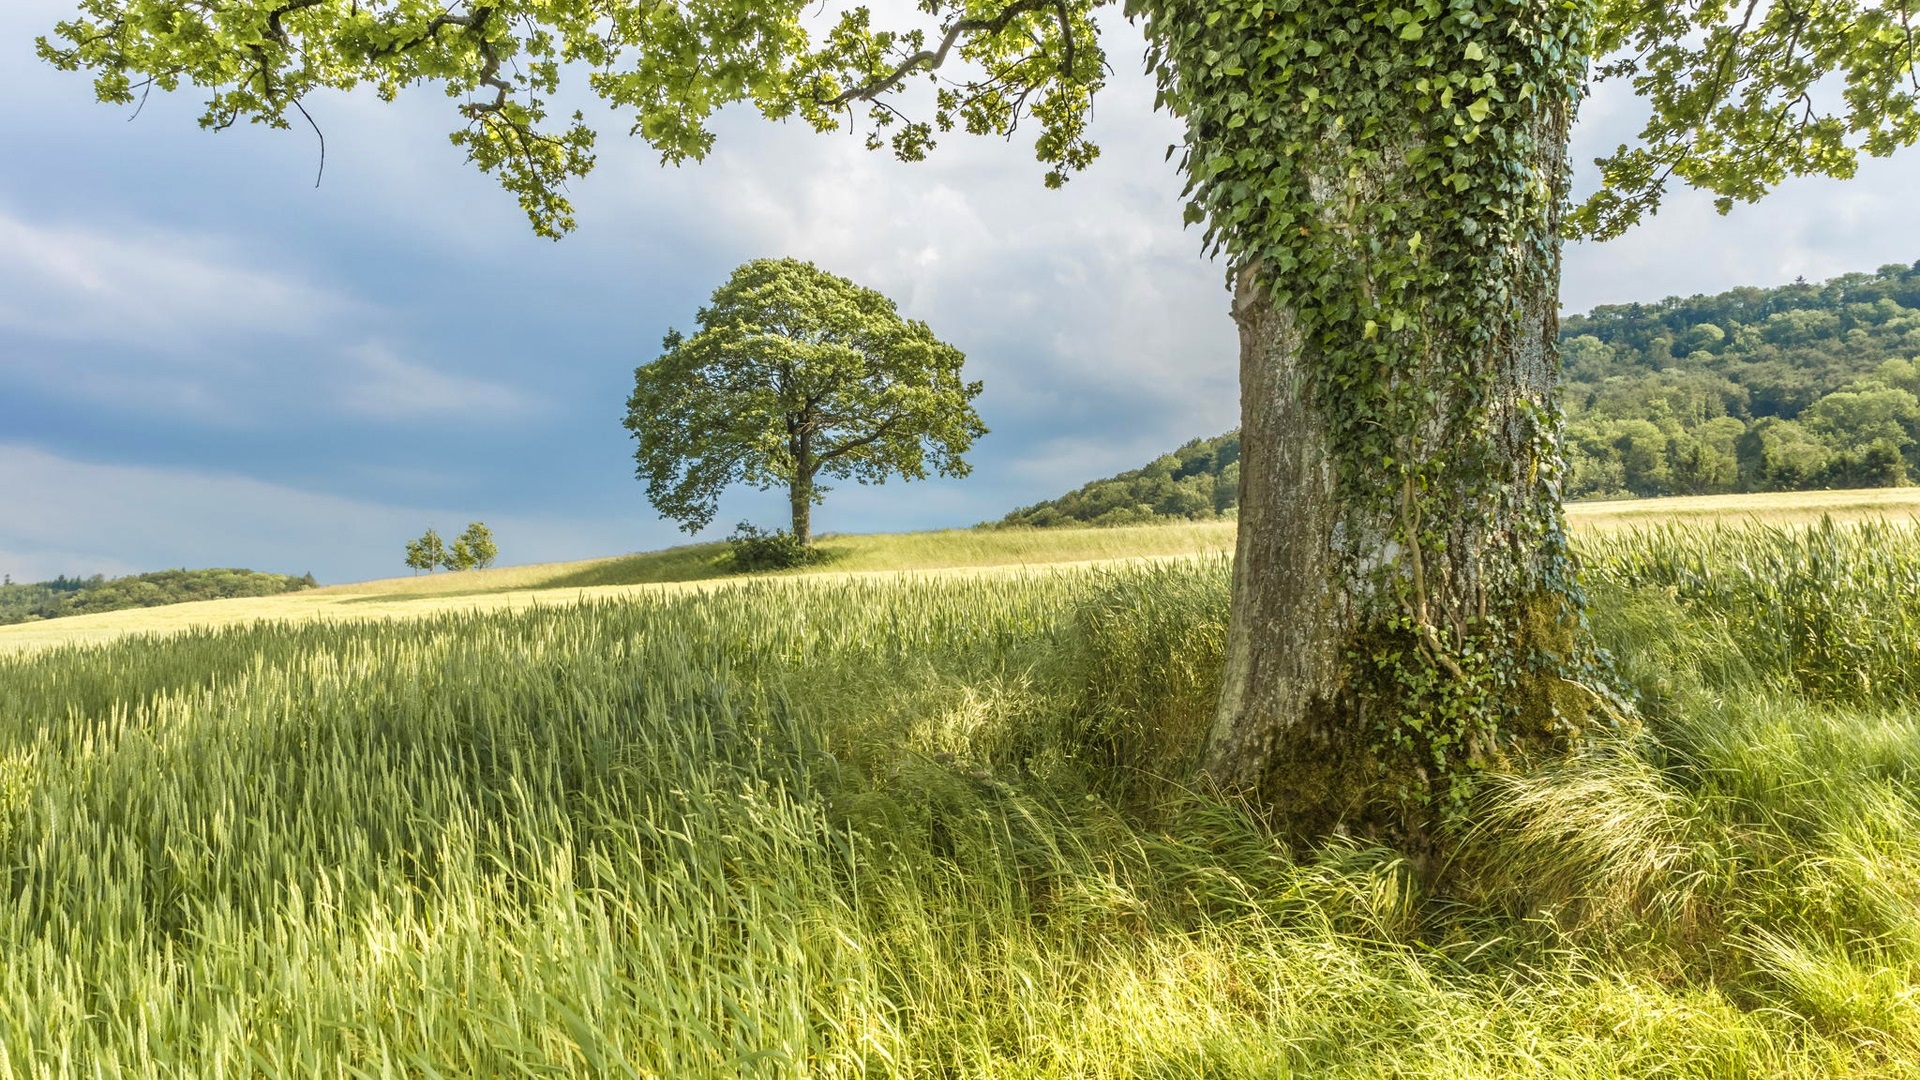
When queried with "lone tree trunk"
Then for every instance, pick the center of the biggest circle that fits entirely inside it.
(800, 498)
(1403, 614)
(805, 466)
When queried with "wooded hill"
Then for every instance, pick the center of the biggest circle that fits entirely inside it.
(1201, 480)
(80, 596)
(1792, 388)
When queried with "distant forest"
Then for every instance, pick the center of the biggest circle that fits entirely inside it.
(1201, 480)
(82, 596)
(1802, 386)
(1784, 389)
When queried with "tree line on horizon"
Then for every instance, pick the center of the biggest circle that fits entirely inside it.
(1792, 388)
(1802, 386)
(31, 601)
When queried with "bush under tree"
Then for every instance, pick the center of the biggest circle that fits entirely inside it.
(752, 550)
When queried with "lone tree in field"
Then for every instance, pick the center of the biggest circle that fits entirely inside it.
(796, 374)
(1387, 180)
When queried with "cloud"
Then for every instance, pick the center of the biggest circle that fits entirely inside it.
(389, 388)
(73, 517)
(146, 287)
(1090, 312)
(1809, 227)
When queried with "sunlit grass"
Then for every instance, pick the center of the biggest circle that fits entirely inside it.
(951, 550)
(947, 826)
(1772, 508)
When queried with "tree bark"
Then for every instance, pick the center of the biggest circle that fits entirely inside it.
(800, 498)
(1321, 571)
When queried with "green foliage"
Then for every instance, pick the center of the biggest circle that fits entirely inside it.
(796, 374)
(473, 549)
(1742, 96)
(668, 67)
(429, 552)
(751, 550)
(1199, 481)
(1796, 387)
(1733, 104)
(480, 546)
(458, 557)
(903, 828)
(81, 596)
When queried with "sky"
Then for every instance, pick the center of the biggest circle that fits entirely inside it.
(206, 360)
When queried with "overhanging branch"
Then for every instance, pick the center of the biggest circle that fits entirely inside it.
(931, 59)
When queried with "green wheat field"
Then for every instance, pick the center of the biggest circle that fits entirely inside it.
(872, 824)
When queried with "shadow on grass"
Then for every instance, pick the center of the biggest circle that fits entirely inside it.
(694, 562)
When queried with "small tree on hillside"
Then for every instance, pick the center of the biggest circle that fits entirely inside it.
(428, 552)
(796, 374)
(459, 556)
(478, 540)
(417, 556)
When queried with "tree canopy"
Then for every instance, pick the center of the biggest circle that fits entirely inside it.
(796, 374)
(427, 551)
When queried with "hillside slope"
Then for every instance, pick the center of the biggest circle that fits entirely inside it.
(1198, 482)
(697, 566)
(65, 596)
(984, 553)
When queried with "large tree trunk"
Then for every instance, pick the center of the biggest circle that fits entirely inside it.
(1337, 596)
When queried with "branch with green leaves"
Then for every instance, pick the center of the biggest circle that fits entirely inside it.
(667, 66)
(1745, 94)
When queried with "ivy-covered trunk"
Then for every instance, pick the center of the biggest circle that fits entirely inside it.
(1388, 180)
(1398, 629)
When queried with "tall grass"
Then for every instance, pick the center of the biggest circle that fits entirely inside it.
(924, 828)
(1835, 609)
